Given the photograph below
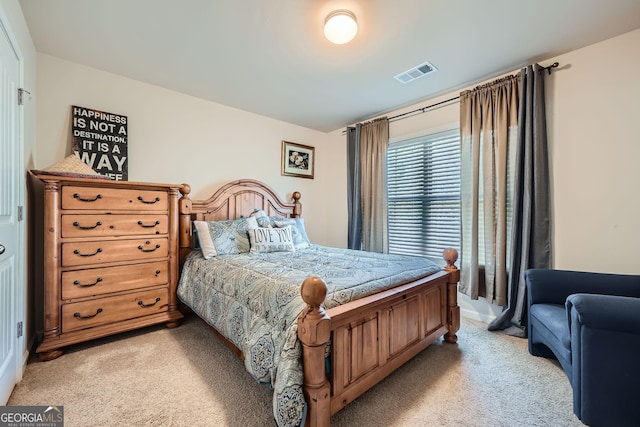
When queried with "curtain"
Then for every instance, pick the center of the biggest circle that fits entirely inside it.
(531, 231)
(353, 188)
(374, 140)
(488, 130)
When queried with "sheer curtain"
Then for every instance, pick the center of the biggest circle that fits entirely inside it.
(354, 238)
(374, 140)
(367, 185)
(488, 131)
(531, 231)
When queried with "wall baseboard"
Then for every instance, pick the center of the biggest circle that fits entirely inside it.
(474, 315)
(25, 356)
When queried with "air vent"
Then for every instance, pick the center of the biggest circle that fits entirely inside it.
(415, 73)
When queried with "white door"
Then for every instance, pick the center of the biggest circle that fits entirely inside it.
(10, 195)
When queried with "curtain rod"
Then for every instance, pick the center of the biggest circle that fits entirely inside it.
(455, 98)
(424, 109)
(419, 110)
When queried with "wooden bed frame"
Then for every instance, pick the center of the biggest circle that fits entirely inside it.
(370, 337)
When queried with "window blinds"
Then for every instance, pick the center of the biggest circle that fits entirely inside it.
(423, 177)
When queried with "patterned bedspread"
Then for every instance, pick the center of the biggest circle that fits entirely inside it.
(254, 300)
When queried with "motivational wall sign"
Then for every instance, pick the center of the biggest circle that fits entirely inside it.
(100, 140)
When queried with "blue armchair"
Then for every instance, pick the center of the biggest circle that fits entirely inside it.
(590, 322)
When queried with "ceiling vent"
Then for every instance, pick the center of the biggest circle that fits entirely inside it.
(415, 73)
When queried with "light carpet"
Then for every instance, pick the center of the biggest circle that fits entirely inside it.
(188, 377)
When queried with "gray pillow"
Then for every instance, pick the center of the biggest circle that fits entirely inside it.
(224, 237)
(261, 217)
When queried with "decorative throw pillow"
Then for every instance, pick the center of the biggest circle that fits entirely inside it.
(224, 237)
(271, 239)
(261, 217)
(300, 239)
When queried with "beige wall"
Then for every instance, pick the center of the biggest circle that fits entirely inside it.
(593, 106)
(177, 138)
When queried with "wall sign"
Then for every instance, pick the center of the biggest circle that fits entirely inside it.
(100, 140)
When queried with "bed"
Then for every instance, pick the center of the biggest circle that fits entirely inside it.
(327, 343)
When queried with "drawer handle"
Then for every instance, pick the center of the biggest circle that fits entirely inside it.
(90, 316)
(88, 285)
(157, 273)
(86, 227)
(148, 226)
(157, 199)
(77, 196)
(148, 250)
(141, 304)
(77, 252)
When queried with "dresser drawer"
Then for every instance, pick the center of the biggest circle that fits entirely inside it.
(98, 281)
(96, 252)
(81, 315)
(113, 225)
(113, 199)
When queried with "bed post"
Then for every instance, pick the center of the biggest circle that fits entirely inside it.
(453, 310)
(314, 326)
(297, 206)
(184, 237)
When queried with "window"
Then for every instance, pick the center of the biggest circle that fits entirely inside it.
(423, 178)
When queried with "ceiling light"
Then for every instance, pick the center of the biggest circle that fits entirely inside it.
(340, 27)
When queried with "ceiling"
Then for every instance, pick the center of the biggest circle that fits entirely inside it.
(269, 56)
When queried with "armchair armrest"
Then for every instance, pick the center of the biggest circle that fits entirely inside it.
(605, 312)
(554, 286)
(605, 343)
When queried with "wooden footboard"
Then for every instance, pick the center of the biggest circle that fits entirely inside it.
(371, 337)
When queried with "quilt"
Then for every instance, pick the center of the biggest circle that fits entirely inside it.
(253, 299)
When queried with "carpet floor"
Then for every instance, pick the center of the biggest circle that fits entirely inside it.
(188, 377)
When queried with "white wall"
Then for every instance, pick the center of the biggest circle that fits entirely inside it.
(593, 106)
(177, 138)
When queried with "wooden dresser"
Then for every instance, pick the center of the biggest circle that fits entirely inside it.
(109, 258)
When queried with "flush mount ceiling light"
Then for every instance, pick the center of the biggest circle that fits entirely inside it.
(340, 27)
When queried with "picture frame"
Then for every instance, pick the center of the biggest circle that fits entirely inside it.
(297, 160)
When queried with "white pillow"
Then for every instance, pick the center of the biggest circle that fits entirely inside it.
(271, 239)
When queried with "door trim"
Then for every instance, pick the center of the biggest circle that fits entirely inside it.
(20, 302)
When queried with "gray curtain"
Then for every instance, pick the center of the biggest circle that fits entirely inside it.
(353, 188)
(531, 227)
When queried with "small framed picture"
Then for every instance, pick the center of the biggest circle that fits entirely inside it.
(297, 160)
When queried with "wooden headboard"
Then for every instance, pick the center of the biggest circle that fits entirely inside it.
(236, 199)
